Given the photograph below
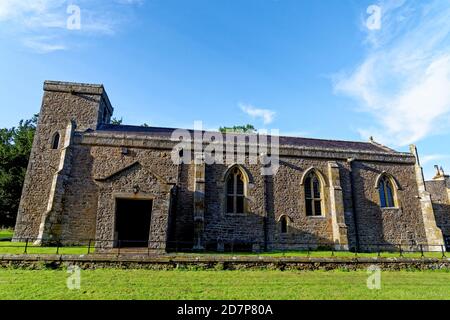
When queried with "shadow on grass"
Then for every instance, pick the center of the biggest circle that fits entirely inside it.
(6, 234)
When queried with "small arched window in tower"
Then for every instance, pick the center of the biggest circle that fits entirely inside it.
(55, 142)
(284, 224)
(386, 190)
(235, 191)
(313, 195)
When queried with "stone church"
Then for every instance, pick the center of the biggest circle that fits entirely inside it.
(117, 185)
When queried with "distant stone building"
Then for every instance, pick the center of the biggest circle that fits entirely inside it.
(118, 185)
(439, 188)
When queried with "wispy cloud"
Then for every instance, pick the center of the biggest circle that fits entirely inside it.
(404, 80)
(32, 13)
(12, 9)
(42, 25)
(43, 45)
(428, 159)
(266, 115)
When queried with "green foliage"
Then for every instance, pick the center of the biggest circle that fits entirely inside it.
(116, 121)
(220, 266)
(15, 149)
(248, 128)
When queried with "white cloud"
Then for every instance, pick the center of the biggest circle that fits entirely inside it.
(31, 20)
(404, 81)
(43, 45)
(266, 115)
(428, 159)
(20, 9)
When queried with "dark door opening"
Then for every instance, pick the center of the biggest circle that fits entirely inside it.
(133, 222)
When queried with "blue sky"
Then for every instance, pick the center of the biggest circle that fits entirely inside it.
(306, 67)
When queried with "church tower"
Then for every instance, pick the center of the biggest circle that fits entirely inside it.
(66, 108)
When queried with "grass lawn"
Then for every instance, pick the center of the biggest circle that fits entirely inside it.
(7, 247)
(6, 233)
(324, 254)
(252, 285)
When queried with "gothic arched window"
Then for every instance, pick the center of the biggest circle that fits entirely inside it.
(313, 195)
(55, 141)
(386, 191)
(236, 189)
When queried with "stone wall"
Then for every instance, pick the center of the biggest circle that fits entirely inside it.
(116, 172)
(283, 194)
(205, 262)
(183, 222)
(62, 103)
(268, 199)
(121, 187)
(441, 204)
(384, 226)
(288, 198)
(101, 166)
(226, 227)
(80, 206)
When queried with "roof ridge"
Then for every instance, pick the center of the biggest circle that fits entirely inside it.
(248, 133)
(284, 140)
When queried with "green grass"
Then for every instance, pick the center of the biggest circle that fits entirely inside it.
(322, 254)
(7, 247)
(6, 233)
(252, 285)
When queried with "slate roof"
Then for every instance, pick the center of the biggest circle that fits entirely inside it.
(284, 141)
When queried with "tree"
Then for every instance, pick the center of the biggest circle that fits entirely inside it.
(116, 121)
(15, 149)
(248, 128)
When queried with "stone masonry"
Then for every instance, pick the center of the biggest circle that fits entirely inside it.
(81, 166)
(439, 189)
